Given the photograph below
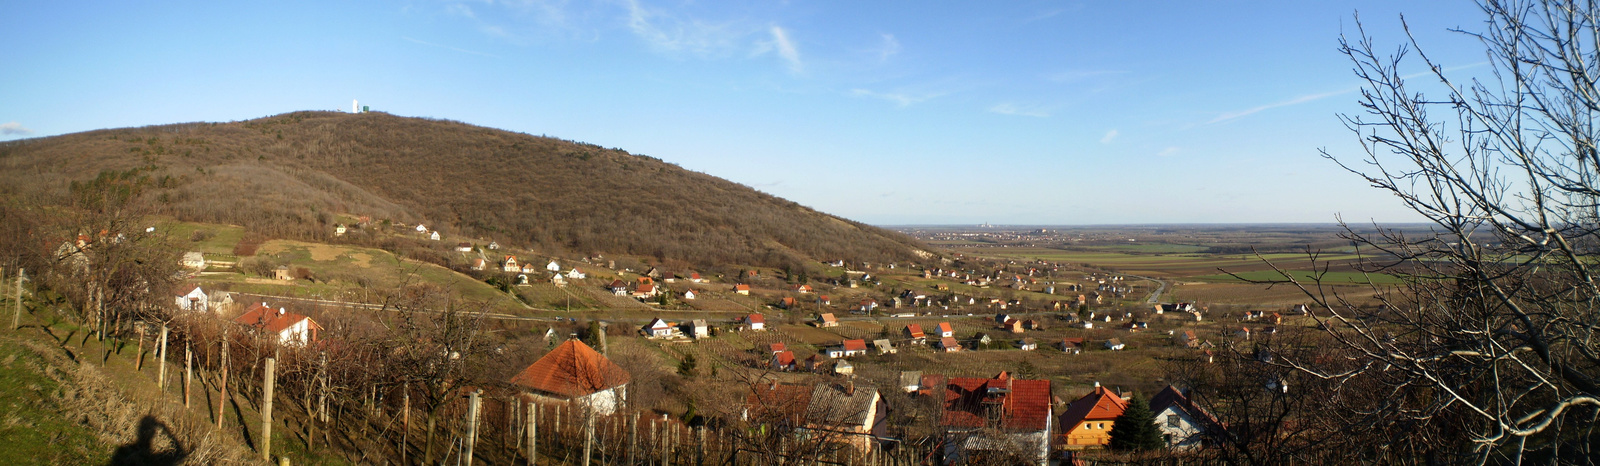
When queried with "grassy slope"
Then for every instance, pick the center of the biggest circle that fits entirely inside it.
(34, 428)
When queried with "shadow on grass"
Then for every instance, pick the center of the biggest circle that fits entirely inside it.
(142, 451)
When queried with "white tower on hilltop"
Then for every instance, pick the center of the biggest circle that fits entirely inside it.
(353, 107)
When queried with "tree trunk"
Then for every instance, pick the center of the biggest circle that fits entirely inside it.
(427, 443)
(222, 393)
(161, 378)
(188, 372)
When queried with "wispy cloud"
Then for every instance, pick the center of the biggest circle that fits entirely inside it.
(1110, 136)
(1295, 101)
(901, 99)
(14, 129)
(1008, 108)
(430, 44)
(786, 49)
(669, 33)
(1168, 152)
(888, 48)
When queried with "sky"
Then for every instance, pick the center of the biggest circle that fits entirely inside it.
(889, 113)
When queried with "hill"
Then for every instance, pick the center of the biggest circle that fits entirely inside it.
(296, 175)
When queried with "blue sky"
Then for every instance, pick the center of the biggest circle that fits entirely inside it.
(913, 112)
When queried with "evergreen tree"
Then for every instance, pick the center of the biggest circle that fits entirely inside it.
(1136, 428)
(686, 367)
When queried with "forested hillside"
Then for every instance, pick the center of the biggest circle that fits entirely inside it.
(294, 176)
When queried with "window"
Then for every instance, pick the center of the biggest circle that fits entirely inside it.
(1102, 425)
(1173, 420)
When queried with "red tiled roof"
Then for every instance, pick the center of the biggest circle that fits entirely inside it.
(784, 358)
(855, 345)
(755, 319)
(572, 370)
(741, 287)
(266, 318)
(944, 327)
(828, 317)
(915, 330)
(949, 342)
(1099, 404)
(779, 402)
(777, 347)
(1025, 404)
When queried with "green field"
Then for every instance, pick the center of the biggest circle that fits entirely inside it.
(1306, 277)
(221, 240)
(1169, 265)
(343, 266)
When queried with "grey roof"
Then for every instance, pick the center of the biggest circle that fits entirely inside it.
(831, 405)
(909, 378)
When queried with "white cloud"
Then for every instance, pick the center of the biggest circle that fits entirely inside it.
(14, 129)
(1008, 108)
(1168, 152)
(786, 49)
(1110, 135)
(667, 33)
(889, 48)
(1294, 101)
(901, 99)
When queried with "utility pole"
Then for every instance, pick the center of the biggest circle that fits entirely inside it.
(161, 377)
(533, 434)
(472, 423)
(222, 393)
(188, 371)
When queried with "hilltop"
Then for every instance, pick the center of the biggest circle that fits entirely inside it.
(296, 175)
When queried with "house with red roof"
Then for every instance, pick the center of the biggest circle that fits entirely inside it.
(778, 347)
(848, 348)
(949, 345)
(288, 327)
(783, 360)
(914, 333)
(945, 331)
(1087, 422)
(756, 321)
(577, 374)
(827, 320)
(510, 265)
(801, 288)
(742, 289)
(977, 410)
(1183, 424)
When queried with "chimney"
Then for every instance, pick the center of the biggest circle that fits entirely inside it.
(281, 311)
(1097, 384)
(850, 388)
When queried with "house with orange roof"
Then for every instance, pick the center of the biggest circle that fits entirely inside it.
(801, 288)
(778, 347)
(1087, 422)
(914, 333)
(742, 289)
(783, 360)
(848, 348)
(288, 328)
(756, 321)
(510, 265)
(575, 373)
(945, 331)
(949, 345)
(977, 411)
(827, 320)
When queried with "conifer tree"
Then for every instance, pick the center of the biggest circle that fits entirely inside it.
(1136, 429)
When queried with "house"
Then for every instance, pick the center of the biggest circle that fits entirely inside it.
(618, 287)
(778, 347)
(509, 265)
(949, 345)
(914, 333)
(843, 367)
(463, 247)
(869, 305)
(824, 300)
(849, 348)
(645, 291)
(756, 321)
(945, 331)
(576, 274)
(689, 294)
(817, 363)
(195, 300)
(194, 260)
(479, 264)
(556, 279)
(884, 346)
(1012, 325)
(698, 329)
(981, 415)
(783, 361)
(1087, 422)
(1032, 324)
(1027, 344)
(553, 266)
(338, 230)
(1115, 344)
(787, 302)
(658, 328)
(1186, 339)
(287, 328)
(910, 381)
(282, 273)
(855, 415)
(422, 228)
(827, 320)
(1072, 345)
(801, 288)
(573, 373)
(494, 245)
(982, 339)
(433, 236)
(1242, 332)
(529, 268)
(1183, 425)
(742, 289)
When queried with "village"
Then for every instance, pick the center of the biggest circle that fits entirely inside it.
(1047, 355)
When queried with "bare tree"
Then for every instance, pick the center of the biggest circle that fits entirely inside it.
(1493, 343)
